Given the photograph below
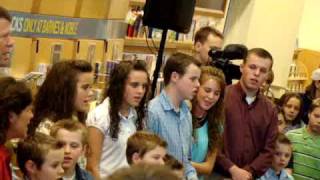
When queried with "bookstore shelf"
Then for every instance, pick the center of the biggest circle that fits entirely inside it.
(208, 12)
(137, 2)
(297, 79)
(141, 42)
(298, 75)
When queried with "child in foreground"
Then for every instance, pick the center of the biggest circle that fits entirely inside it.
(40, 157)
(147, 148)
(74, 137)
(281, 158)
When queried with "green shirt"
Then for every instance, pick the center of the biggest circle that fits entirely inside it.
(306, 154)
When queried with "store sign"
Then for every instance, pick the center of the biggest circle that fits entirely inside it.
(35, 25)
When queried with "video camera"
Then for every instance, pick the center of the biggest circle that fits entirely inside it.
(221, 59)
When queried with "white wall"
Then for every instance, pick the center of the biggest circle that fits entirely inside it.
(309, 32)
(270, 24)
(238, 20)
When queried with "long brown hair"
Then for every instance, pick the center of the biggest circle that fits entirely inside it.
(55, 98)
(115, 92)
(215, 115)
(284, 100)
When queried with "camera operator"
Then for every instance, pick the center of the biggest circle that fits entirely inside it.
(206, 38)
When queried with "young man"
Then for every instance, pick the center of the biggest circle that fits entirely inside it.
(146, 148)
(40, 157)
(74, 137)
(6, 41)
(206, 38)
(306, 146)
(168, 114)
(251, 121)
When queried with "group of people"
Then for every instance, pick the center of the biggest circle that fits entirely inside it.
(197, 124)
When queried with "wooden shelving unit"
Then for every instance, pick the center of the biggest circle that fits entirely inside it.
(208, 12)
(137, 2)
(140, 44)
(310, 59)
(298, 75)
(297, 79)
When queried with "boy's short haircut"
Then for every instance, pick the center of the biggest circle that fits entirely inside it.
(178, 62)
(203, 33)
(35, 148)
(315, 104)
(72, 126)
(144, 172)
(173, 163)
(283, 139)
(142, 142)
(260, 52)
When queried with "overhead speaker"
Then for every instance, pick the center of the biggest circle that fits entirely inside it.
(169, 14)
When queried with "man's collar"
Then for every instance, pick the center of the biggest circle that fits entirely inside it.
(243, 93)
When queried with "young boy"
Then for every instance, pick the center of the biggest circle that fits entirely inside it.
(281, 157)
(169, 115)
(306, 146)
(74, 137)
(145, 147)
(40, 157)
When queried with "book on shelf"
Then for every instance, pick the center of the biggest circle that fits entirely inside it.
(109, 66)
(150, 60)
(134, 21)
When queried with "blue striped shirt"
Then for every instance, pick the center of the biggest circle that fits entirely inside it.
(173, 126)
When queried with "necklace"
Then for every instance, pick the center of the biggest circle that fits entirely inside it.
(199, 121)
